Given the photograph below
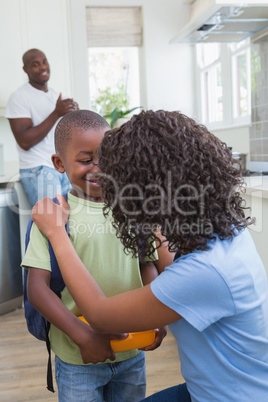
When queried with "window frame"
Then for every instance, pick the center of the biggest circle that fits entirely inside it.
(124, 30)
(225, 59)
(242, 50)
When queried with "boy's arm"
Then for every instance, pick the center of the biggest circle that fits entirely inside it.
(165, 257)
(93, 347)
(148, 271)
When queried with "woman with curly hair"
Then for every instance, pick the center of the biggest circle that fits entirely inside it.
(163, 171)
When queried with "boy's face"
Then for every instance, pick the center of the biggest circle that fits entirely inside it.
(80, 161)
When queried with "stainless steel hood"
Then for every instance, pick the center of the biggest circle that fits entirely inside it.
(223, 21)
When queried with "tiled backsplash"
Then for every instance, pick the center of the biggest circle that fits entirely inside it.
(259, 100)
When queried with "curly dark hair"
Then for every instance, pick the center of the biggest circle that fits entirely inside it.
(162, 169)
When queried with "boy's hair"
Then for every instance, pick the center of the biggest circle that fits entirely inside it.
(174, 173)
(81, 119)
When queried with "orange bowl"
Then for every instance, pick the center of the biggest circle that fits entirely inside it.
(135, 340)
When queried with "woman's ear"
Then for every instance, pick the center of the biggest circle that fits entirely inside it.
(58, 163)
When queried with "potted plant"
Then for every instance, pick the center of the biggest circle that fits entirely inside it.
(119, 116)
(113, 105)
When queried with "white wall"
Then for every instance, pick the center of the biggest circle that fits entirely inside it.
(168, 67)
(58, 27)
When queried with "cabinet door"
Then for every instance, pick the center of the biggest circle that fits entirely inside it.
(47, 30)
(11, 49)
(26, 24)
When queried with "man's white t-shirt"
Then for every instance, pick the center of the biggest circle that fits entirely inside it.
(37, 105)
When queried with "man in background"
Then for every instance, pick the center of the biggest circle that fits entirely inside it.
(33, 111)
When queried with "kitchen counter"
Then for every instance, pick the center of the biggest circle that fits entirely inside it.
(256, 197)
(11, 180)
(257, 186)
(11, 172)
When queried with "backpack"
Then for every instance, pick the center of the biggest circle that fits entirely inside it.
(37, 325)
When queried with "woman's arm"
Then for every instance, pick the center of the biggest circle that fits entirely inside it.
(132, 311)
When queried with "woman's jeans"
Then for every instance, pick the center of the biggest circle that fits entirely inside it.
(110, 382)
(179, 393)
(43, 181)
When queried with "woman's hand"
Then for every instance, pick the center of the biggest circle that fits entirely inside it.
(160, 334)
(49, 216)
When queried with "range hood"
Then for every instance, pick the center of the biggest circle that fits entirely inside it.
(223, 21)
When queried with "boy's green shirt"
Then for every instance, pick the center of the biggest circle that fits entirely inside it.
(94, 240)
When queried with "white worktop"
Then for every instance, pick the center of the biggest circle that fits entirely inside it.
(257, 186)
(11, 172)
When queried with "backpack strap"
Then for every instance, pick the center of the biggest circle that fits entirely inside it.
(50, 386)
(57, 285)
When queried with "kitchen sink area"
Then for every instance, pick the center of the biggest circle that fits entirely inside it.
(10, 252)
(256, 173)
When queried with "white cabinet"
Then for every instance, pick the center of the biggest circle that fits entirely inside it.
(58, 28)
(53, 26)
(10, 49)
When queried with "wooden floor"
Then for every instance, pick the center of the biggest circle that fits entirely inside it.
(23, 362)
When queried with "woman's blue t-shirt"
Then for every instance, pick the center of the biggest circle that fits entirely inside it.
(222, 338)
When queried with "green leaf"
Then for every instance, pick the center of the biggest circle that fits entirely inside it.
(115, 115)
(118, 114)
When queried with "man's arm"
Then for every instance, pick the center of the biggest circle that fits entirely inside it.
(27, 136)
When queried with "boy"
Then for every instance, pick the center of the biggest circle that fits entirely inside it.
(77, 138)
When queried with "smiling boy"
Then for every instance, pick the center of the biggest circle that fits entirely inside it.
(122, 377)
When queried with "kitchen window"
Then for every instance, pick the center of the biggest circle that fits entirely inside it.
(223, 72)
(113, 78)
(114, 36)
(211, 82)
(240, 56)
